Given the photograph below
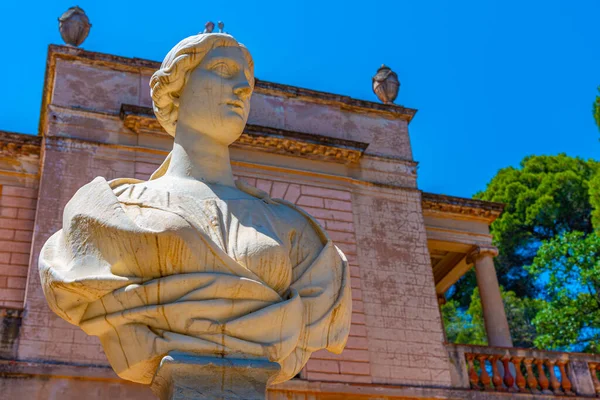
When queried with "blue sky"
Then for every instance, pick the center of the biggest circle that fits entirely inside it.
(493, 81)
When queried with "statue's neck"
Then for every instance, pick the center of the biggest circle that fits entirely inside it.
(197, 156)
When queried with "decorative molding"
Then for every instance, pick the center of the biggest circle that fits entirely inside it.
(301, 144)
(480, 252)
(392, 111)
(52, 369)
(262, 138)
(340, 181)
(441, 204)
(141, 120)
(148, 67)
(19, 144)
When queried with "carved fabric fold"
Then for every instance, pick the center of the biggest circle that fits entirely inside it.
(149, 271)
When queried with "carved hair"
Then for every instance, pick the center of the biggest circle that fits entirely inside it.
(168, 82)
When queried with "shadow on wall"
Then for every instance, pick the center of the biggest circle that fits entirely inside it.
(10, 323)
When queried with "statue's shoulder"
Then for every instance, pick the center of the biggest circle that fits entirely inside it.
(254, 191)
(100, 193)
(120, 185)
(100, 184)
(292, 211)
(95, 200)
(97, 188)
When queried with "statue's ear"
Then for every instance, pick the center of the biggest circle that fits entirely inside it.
(162, 169)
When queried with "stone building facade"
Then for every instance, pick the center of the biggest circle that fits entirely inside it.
(347, 162)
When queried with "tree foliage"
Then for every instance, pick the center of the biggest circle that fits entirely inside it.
(569, 267)
(467, 327)
(549, 262)
(464, 327)
(595, 199)
(549, 201)
(596, 109)
(545, 197)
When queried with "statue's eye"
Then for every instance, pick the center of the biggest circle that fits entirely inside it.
(222, 69)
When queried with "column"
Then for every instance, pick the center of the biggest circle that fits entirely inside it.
(496, 324)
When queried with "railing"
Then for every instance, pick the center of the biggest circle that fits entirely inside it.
(594, 370)
(500, 369)
(530, 382)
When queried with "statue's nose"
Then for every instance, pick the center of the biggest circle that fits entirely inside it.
(243, 91)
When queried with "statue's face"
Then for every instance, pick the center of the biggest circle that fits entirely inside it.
(216, 97)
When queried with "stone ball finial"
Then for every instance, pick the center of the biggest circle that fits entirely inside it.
(386, 84)
(74, 26)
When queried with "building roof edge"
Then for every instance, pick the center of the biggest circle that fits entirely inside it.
(391, 111)
(462, 206)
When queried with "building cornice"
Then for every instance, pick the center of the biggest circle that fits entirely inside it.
(481, 252)
(12, 144)
(147, 67)
(436, 204)
(262, 138)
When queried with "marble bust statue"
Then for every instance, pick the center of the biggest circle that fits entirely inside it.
(191, 260)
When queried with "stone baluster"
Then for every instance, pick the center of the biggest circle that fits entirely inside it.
(528, 373)
(544, 382)
(473, 377)
(554, 383)
(594, 372)
(496, 324)
(509, 381)
(564, 377)
(484, 376)
(520, 379)
(496, 377)
(532, 382)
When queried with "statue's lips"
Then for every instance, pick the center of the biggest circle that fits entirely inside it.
(236, 105)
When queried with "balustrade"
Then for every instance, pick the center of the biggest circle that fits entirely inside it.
(594, 369)
(517, 376)
(526, 371)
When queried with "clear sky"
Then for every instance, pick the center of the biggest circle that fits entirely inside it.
(493, 81)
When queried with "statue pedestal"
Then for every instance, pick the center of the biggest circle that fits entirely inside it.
(184, 376)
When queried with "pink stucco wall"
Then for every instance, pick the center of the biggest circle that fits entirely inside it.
(371, 210)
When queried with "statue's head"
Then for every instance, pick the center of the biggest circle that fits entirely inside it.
(205, 82)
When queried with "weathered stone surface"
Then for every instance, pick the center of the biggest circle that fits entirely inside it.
(386, 137)
(61, 388)
(10, 323)
(183, 376)
(402, 315)
(579, 374)
(94, 88)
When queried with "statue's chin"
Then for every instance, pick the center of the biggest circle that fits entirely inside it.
(232, 129)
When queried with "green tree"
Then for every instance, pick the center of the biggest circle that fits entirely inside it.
(596, 109)
(467, 327)
(595, 199)
(464, 327)
(547, 196)
(552, 208)
(569, 267)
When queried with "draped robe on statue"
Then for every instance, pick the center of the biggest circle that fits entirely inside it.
(150, 270)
